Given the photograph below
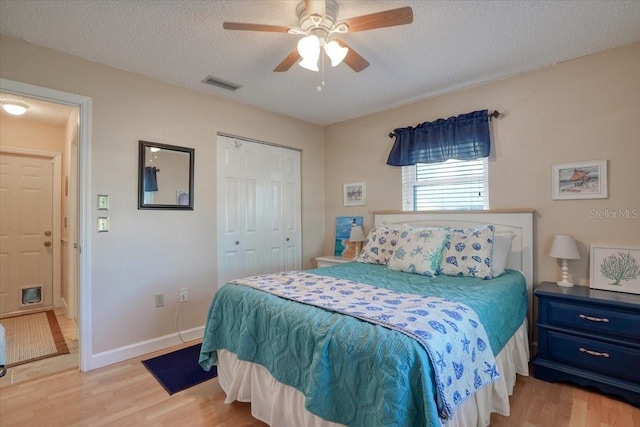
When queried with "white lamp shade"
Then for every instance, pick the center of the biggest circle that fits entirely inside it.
(357, 234)
(309, 64)
(335, 52)
(309, 50)
(564, 246)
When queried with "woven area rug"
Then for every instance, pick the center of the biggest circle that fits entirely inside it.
(179, 369)
(33, 337)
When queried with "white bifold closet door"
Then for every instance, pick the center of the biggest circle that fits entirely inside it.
(258, 198)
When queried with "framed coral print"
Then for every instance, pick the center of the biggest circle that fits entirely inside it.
(615, 269)
(580, 180)
(355, 194)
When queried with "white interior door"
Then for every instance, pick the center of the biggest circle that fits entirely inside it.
(271, 211)
(258, 195)
(239, 198)
(26, 231)
(73, 213)
(291, 211)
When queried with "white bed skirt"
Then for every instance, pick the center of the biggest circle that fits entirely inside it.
(281, 405)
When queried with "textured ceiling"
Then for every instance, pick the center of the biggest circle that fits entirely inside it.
(450, 45)
(43, 111)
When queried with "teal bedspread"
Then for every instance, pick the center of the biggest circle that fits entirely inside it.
(350, 371)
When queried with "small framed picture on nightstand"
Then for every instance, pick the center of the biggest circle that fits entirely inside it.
(615, 269)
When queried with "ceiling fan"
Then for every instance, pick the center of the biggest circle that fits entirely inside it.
(318, 23)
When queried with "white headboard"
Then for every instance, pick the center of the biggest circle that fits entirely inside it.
(519, 222)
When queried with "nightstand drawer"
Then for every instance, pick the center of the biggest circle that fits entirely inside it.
(594, 319)
(601, 357)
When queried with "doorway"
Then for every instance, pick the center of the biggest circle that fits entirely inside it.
(77, 215)
(36, 287)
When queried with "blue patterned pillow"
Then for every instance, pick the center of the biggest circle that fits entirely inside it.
(468, 253)
(379, 245)
(419, 250)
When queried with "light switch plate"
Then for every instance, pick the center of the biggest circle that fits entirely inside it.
(103, 202)
(103, 224)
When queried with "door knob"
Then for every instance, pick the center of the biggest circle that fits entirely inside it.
(47, 233)
(288, 239)
(237, 242)
(47, 243)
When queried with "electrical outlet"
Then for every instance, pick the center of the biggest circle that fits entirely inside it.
(184, 295)
(159, 299)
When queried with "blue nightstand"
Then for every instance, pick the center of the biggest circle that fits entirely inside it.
(589, 337)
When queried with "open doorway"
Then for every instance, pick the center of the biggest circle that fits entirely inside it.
(71, 296)
(38, 286)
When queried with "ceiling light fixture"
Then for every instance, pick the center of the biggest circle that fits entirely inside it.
(15, 108)
(309, 50)
(335, 52)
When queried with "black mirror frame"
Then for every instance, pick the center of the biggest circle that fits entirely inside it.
(141, 164)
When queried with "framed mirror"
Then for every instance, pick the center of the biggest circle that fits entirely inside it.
(165, 176)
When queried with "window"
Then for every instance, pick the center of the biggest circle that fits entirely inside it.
(450, 185)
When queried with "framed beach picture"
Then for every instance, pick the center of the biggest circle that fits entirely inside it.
(343, 246)
(580, 180)
(355, 194)
(615, 269)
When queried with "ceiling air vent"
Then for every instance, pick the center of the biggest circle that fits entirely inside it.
(213, 81)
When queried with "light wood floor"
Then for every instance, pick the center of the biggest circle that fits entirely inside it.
(126, 394)
(51, 365)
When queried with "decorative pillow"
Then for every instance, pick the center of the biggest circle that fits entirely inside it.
(468, 253)
(379, 245)
(419, 250)
(501, 250)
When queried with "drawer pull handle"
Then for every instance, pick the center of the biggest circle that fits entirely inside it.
(594, 353)
(594, 319)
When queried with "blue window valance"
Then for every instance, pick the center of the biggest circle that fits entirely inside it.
(465, 137)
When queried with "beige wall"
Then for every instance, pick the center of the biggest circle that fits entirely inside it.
(149, 252)
(585, 109)
(21, 132)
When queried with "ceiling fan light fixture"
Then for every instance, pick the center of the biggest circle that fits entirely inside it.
(309, 50)
(340, 27)
(335, 52)
(310, 64)
(15, 108)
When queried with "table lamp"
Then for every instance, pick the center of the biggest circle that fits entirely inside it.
(564, 247)
(356, 236)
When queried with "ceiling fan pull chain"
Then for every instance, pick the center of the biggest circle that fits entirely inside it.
(321, 85)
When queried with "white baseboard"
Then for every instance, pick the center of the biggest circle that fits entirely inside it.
(116, 355)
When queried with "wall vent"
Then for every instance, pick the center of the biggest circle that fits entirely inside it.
(214, 81)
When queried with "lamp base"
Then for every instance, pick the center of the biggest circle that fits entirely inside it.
(565, 283)
(565, 275)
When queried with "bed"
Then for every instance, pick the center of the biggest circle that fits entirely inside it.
(302, 364)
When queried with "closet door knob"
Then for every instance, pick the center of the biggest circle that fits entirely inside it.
(288, 239)
(237, 242)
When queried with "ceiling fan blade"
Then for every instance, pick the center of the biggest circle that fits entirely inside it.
(254, 27)
(315, 7)
(288, 62)
(388, 18)
(353, 59)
